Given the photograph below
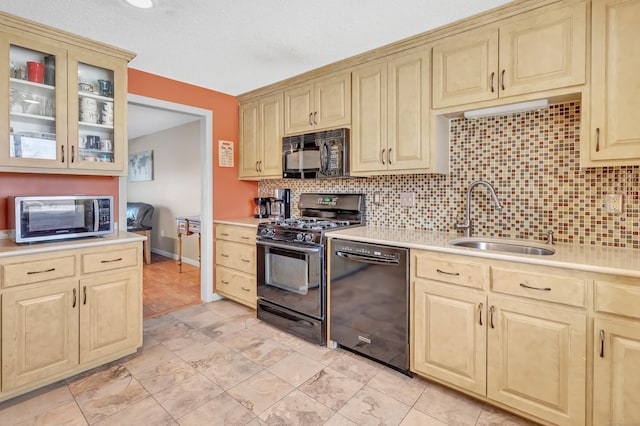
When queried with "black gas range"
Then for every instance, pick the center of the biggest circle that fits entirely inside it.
(291, 263)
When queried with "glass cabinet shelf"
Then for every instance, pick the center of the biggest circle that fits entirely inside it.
(33, 118)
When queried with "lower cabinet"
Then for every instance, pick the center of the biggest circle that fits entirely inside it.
(54, 328)
(236, 263)
(501, 343)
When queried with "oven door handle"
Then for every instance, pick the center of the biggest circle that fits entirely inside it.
(291, 247)
(367, 259)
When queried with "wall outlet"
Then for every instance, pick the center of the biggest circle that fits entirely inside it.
(162, 233)
(613, 203)
(377, 198)
(407, 199)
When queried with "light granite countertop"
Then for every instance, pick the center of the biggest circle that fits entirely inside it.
(607, 260)
(242, 221)
(9, 248)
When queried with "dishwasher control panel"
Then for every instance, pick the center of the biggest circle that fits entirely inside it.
(368, 250)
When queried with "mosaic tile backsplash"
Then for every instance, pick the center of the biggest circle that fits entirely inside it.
(532, 160)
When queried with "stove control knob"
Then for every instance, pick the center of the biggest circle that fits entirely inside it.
(308, 237)
(299, 237)
(266, 232)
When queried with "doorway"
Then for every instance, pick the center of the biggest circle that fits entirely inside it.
(203, 120)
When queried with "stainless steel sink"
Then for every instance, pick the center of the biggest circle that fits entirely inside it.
(504, 245)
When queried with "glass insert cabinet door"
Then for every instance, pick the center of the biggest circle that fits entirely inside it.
(98, 104)
(35, 134)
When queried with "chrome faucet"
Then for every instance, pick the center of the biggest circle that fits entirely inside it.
(467, 221)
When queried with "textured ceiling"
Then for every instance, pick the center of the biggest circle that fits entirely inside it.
(234, 46)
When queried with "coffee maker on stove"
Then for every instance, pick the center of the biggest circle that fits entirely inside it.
(280, 204)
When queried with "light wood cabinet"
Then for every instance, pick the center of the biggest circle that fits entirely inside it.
(321, 104)
(55, 327)
(56, 125)
(524, 347)
(539, 50)
(390, 125)
(614, 137)
(236, 263)
(261, 131)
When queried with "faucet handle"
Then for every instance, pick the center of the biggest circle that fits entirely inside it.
(550, 239)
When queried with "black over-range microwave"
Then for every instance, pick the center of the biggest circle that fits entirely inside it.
(45, 218)
(316, 155)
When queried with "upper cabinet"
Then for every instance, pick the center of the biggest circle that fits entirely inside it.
(390, 122)
(615, 85)
(539, 50)
(318, 105)
(66, 103)
(261, 131)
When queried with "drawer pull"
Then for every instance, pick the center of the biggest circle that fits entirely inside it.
(74, 298)
(535, 288)
(455, 274)
(111, 260)
(41, 272)
(601, 343)
(480, 312)
(224, 282)
(224, 255)
(246, 260)
(245, 237)
(491, 310)
(224, 234)
(245, 289)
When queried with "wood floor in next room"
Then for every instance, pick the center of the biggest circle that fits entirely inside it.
(166, 289)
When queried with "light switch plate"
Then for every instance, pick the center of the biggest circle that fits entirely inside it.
(613, 203)
(407, 199)
(377, 198)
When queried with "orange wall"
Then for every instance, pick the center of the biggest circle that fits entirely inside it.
(41, 184)
(231, 197)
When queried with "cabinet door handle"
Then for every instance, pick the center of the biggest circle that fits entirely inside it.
(260, 165)
(480, 312)
(62, 152)
(41, 272)
(256, 166)
(74, 298)
(493, 74)
(111, 260)
(224, 255)
(73, 153)
(84, 297)
(601, 343)
(502, 79)
(383, 156)
(315, 117)
(245, 289)
(597, 139)
(491, 310)
(535, 288)
(389, 156)
(310, 119)
(455, 274)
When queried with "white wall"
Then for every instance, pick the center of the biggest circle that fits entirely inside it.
(175, 188)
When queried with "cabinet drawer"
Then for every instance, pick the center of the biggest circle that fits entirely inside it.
(619, 299)
(108, 260)
(38, 270)
(541, 286)
(240, 234)
(236, 285)
(236, 256)
(451, 269)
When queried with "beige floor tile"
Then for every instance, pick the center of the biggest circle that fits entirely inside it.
(169, 329)
(189, 311)
(143, 360)
(449, 406)
(297, 409)
(260, 391)
(493, 416)
(224, 328)
(296, 368)
(107, 392)
(289, 340)
(33, 404)
(370, 407)
(242, 340)
(267, 330)
(318, 353)
(222, 410)
(203, 319)
(68, 415)
(416, 418)
(339, 420)
(188, 395)
(331, 388)
(396, 385)
(164, 375)
(144, 413)
(266, 353)
(229, 372)
(355, 368)
(187, 341)
(229, 309)
(209, 355)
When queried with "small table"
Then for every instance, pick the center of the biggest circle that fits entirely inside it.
(187, 225)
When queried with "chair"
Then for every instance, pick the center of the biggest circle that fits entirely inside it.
(139, 221)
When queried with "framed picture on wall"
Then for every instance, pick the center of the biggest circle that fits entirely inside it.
(141, 166)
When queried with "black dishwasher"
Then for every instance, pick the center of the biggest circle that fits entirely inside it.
(369, 301)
